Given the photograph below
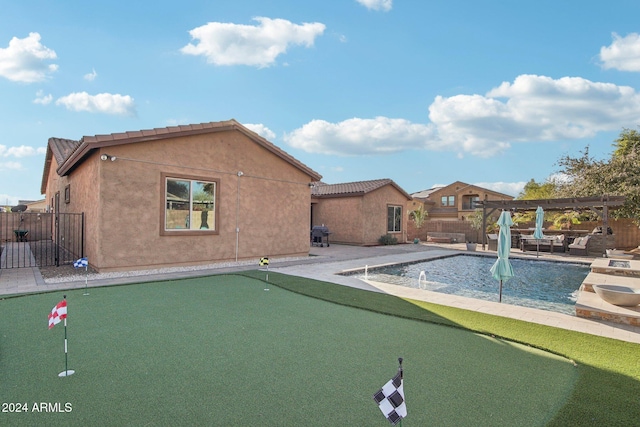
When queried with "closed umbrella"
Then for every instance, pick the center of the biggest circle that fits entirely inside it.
(501, 269)
(537, 234)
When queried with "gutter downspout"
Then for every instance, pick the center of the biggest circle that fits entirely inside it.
(238, 214)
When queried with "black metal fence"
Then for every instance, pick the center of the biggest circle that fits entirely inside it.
(29, 239)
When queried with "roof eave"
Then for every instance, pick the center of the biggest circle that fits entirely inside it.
(89, 144)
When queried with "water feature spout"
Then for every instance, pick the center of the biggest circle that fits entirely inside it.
(423, 276)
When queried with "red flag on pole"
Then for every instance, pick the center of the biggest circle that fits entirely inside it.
(58, 313)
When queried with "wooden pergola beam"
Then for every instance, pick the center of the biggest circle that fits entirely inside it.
(593, 203)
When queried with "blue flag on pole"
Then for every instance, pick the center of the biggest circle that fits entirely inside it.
(82, 262)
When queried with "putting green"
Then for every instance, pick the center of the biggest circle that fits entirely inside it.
(223, 351)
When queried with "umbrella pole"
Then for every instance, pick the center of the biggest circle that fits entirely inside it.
(500, 295)
(537, 248)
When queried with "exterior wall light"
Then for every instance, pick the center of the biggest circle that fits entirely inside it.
(105, 157)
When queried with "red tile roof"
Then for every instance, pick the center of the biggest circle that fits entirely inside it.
(70, 153)
(321, 189)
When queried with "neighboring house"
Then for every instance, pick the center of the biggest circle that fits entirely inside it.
(359, 213)
(455, 201)
(35, 206)
(182, 195)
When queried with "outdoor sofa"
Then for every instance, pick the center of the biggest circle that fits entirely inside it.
(546, 244)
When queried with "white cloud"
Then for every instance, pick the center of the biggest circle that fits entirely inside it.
(510, 188)
(261, 130)
(235, 44)
(530, 109)
(101, 103)
(21, 151)
(384, 5)
(623, 53)
(11, 166)
(24, 60)
(91, 76)
(43, 99)
(360, 136)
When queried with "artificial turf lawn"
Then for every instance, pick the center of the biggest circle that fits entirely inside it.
(221, 350)
(608, 389)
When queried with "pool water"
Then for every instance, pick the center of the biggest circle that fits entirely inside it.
(545, 285)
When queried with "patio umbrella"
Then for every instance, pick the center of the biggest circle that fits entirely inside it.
(501, 269)
(537, 234)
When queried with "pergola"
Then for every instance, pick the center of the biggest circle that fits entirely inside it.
(599, 205)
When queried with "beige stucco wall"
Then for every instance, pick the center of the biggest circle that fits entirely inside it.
(360, 220)
(123, 200)
(343, 216)
(459, 190)
(375, 214)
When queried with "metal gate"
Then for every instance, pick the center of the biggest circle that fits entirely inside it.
(30, 239)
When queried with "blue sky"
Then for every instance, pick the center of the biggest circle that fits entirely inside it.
(492, 93)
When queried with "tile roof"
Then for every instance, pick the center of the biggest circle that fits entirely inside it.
(321, 189)
(70, 153)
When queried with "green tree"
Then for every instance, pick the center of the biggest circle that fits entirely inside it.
(419, 216)
(533, 190)
(627, 142)
(618, 176)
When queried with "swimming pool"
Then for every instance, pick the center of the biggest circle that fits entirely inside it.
(546, 285)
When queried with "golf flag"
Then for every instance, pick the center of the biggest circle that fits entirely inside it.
(264, 261)
(390, 399)
(58, 313)
(82, 262)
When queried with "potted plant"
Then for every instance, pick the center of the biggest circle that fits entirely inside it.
(475, 220)
(418, 216)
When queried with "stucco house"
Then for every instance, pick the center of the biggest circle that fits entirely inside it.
(454, 201)
(359, 213)
(182, 195)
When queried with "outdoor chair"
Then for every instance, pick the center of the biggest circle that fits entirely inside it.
(580, 246)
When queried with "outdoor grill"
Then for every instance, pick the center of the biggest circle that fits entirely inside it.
(319, 233)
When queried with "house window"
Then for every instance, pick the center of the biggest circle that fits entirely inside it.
(448, 200)
(189, 205)
(394, 219)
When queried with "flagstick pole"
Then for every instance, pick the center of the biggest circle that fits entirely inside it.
(401, 378)
(86, 280)
(66, 371)
(66, 365)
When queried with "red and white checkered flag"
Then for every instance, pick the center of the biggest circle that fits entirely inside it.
(58, 313)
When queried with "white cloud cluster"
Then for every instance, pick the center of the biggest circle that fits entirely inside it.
(101, 103)
(25, 60)
(530, 109)
(360, 136)
(261, 130)
(384, 5)
(21, 151)
(43, 99)
(623, 53)
(234, 44)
